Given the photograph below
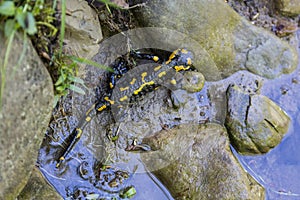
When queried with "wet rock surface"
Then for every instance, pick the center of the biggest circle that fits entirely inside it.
(38, 188)
(288, 7)
(231, 42)
(254, 122)
(27, 104)
(199, 160)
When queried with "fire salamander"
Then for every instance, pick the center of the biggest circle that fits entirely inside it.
(179, 60)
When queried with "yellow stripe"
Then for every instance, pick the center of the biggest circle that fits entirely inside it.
(142, 86)
(181, 67)
(172, 56)
(111, 85)
(109, 100)
(79, 132)
(143, 75)
(102, 108)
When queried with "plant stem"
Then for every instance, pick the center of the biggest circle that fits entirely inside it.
(3, 67)
(62, 26)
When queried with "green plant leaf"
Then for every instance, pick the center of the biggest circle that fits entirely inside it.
(60, 88)
(55, 100)
(76, 80)
(109, 3)
(60, 80)
(31, 26)
(76, 89)
(7, 8)
(9, 27)
(90, 62)
(21, 16)
(128, 192)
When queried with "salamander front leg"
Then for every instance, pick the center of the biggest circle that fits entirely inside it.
(76, 137)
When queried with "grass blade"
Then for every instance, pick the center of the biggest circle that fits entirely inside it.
(90, 62)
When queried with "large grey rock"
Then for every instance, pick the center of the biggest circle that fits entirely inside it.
(195, 162)
(83, 31)
(232, 42)
(27, 104)
(255, 123)
(38, 188)
(288, 7)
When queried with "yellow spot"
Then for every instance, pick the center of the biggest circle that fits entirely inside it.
(142, 86)
(111, 85)
(184, 51)
(155, 58)
(123, 89)
(109, 100)
(173, 82)
(181, 67)
(62, 158)
(189, 61)
(79, 132)
(157, 68)
(123, 98)
(102, 108)
(161, 74)
(120, 106)
(88, 119)
(144, 74)
(132, 81)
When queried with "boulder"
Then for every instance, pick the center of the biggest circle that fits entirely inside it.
(26, 107)
(195, 162)
(83, 30)
(232, 43)
(288, 7)
(38, 188)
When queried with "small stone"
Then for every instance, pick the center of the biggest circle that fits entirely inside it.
(193, 82)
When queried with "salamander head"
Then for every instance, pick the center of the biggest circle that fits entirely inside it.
(181, 57)
(184, 57)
